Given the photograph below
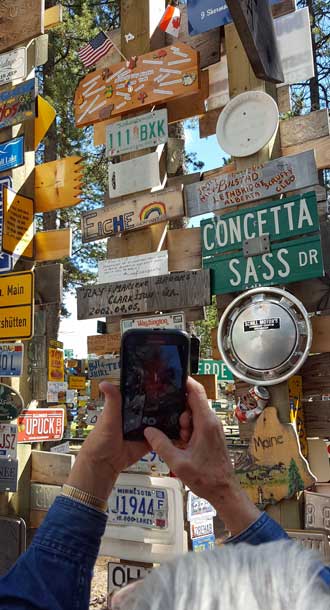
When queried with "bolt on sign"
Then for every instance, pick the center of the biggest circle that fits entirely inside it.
(55, 364)
(215, 367)
(11, 359)
(17, 104)
(38, 425)
(264, 258)
(8, 440)
(16, 305)
(137, 133)
(20, 20)
(132, 213)
(165, 292)
(11, 154)
(154, 78)
(13, 65)
(170, 320)
(267, 180)
(18, 224)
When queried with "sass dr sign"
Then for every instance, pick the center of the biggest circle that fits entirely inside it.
(137, 133)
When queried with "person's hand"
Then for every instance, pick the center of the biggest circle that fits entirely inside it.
(104, 453)
(204, 463)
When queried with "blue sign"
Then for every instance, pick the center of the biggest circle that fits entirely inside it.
(205, 15)
(11, 154)
(11, 359)
(204, 543)
(6, 261)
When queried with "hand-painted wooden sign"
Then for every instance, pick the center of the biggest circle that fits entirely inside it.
(101, 368)
(13, 65)
(11, 154)
(254, 22)
(18, 224)
(163, 293)
(37, 425)
(58, 184)
(131, 214)
(17, 104)
(169, 320)
(20, 20)
(215, 367)
(293, 33)
(273, 469)
(16, 305)
(150, 79)
(104, 344)
(11, 403)
(267, 180)
(137, 133)
(135, 175)
(133, 267)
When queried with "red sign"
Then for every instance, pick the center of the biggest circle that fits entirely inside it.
(40, 425)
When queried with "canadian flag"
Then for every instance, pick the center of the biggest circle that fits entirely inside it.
(171, 21)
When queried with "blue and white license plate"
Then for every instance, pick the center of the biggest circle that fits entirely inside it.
(11, 359)
(142, 506)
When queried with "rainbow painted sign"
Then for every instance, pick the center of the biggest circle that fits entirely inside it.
(17, 104)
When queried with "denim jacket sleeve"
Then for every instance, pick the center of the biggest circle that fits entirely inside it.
(265, 529)
(56, 571)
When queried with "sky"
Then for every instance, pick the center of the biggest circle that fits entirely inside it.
(74, 332)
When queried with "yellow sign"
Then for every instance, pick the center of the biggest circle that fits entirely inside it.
(16, 305)
(55, 364)
(52, 245)
(45, 117)
(57, 184)
(296, 411)
(18, 224)
(77, 383)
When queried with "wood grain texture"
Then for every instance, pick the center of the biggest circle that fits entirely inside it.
(301, 129)
(104, 344)
(163, 293)
(48, 281)
(210, 385)
(316, 375)
(52, 245)
(148, 239)
(50, 468)
(317, 418)
(208, 123)
(283, 8)
(58, 184)
(321, 148)
(53, 16)
(321, 334)
(20, 20)
(184, 249)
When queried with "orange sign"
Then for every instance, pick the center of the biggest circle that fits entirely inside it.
(77, 383)
(57, 184)
(55, 365)
(40, 425)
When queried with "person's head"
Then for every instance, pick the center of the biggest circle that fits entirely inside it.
(274, 576)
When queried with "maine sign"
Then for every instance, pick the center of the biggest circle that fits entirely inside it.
(137, 133)
(258, 255)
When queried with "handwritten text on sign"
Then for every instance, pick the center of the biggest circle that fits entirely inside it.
(17, 104)
(133, 267)
(163, 293)
(12, 65)
(103, 367)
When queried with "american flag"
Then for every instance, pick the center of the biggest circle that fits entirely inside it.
(95, 49)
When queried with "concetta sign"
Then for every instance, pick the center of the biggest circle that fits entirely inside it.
(40, 425)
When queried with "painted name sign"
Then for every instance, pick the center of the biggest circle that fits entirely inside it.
(215, 367)
(137, 133)
(12, 65)
(267, 180)
(132, 213)
(133, 267)
(171, 320)
(162, 293)
(17, 104)
(11, 154)
(103, 367)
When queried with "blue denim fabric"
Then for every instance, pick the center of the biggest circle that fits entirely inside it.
(56, 571)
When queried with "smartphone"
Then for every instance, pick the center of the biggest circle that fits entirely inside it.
(154, 369)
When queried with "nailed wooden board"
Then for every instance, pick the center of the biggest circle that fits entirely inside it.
(321, 334)
(255, 26)
(132, 213)
(53, 16)
(267, 180)
(53, 245)
(104, 344)
(102, 94)
(50, 468)
(163, 293)
(316, 376)
(184, 249)
(57, 184)
(138, 174)
(321, 148)
(301, 129)
(48, 283)
(133, 243)
(132, 267)
(20, 20)
(283, 8)
(210, 385)
(317, 418)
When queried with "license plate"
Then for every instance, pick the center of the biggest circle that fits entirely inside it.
(198, 507)
(141, 506)
(8, 440)
(201, 528)
(150, 463)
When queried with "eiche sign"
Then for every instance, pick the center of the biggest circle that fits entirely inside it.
(40, 425)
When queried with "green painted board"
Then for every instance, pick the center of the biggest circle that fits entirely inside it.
(215, 367)
(292, 261)
(279, 219)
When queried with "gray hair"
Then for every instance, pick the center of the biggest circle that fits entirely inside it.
(274, 576)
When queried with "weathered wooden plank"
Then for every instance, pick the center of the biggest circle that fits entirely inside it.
(149, 239)
(317, 418)
(208, 123)
(184, 249)
(303, 128)
(321, 148)
(210, 385)
(268, 180)
(93, 102)
(50, 468)
(57, 184)
(321, 334)
(104, 344)
(53, 16)
(283, 8)
(314, 294)
(218, 85)
(20, 20)
(163, 293)
(131, 214)
(48, 283)
(255, 26)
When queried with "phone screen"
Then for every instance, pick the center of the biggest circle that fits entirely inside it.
(153, 386)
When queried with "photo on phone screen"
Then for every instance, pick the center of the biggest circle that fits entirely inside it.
(154, 372)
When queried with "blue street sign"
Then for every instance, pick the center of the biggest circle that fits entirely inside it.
(205, 15)
(11, 359)
(204, 543)
(11, 153)
(6, 261)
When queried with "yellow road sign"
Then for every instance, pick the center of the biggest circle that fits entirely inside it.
(18, 224)
(16, 305)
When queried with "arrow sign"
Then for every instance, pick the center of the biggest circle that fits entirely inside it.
(45, 117)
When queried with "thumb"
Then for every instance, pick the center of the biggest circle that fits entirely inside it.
(162, 445)
(112, 404)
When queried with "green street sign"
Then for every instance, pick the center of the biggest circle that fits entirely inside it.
(279, 219)
(215, 367)
(292, 261)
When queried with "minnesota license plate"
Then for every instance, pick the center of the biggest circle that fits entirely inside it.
(142, 506)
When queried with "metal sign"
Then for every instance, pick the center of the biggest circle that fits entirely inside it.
(215, 367)
(201, 527)
(77, 382)
(8, 440)
(121, 575)
(42, 496)
(137, 133)
(170, 320)
(205, 543)
(6, 261)
(11, 359)
(139, 506)
(150, 463)
(135, 175)
(18, 224)
(11, 154)
(55, 365)
(8, 474)
(293, 33)
(198, 507)
(11, 403)
(16, 305)
(102, 368)
(13, 65)
(17, 104)
(38, 425)
(63, 448)
(133, 267)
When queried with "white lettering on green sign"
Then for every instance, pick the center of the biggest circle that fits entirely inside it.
(215, 367)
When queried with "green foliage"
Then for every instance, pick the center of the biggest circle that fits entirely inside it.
(204, 328)
(295, 481)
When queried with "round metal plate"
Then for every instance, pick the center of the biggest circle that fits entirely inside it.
(247, 123)
(265, 336)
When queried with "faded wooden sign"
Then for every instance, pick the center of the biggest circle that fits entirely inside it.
(293, 33)
(133, 267)
(131, 214)
(101, 368)
(13, 65)
(20, 20)
(137, 133)
(170, 320)
(57, 184)
(267, 180)
(18, 224)
(103, 344)
(17, 104)
(135, 175)
(153, 78)
(163, 293)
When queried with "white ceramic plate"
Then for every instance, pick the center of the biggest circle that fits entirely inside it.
(247, 123)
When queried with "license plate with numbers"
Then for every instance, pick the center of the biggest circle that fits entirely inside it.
(139, 506)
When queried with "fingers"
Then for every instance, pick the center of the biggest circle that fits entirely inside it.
(112, 403)
(163, 446)
(197, 401)
(186, 427)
